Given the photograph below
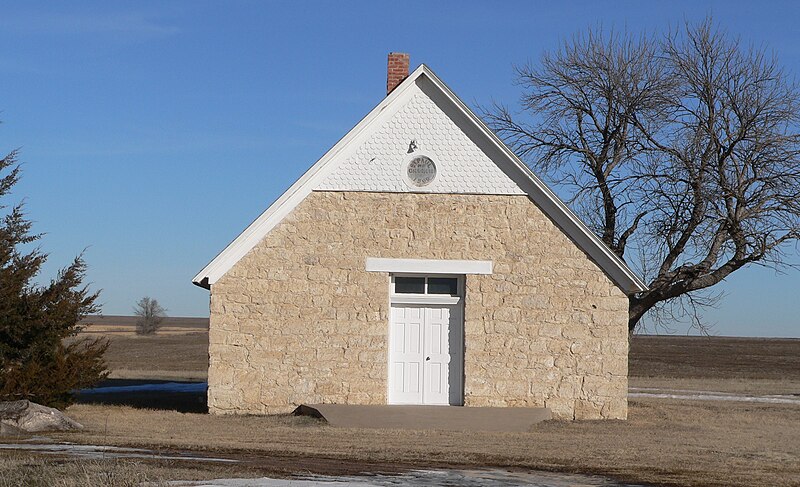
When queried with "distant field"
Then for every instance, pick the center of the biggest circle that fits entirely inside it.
(168, 356)
(126, 325)
(180, 350)
(715, 357)
(721, 364)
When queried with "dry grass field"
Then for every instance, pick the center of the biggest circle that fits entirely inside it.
(22, 469)
(664, 442)
(703, 357)
(172, 356)
(178, 351)
(111, 325)
(724, 364)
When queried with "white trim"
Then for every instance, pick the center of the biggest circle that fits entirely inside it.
(423, 299)
(426, 80)
(429, 266)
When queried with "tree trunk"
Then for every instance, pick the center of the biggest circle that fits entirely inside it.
(637, 307)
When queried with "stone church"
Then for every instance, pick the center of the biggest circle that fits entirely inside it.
(419, 261)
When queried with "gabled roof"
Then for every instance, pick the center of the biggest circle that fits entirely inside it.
(425, 79)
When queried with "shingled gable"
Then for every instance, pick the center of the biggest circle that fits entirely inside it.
(318, 177)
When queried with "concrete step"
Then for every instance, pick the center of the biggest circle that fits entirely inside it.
(450, 418)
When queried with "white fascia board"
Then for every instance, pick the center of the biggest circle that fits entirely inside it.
(428, 266)
(552, 205)
(297, 192)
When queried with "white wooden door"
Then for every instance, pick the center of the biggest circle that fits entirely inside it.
(420, 354)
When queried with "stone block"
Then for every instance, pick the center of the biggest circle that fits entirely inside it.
(589, 364)
(615, 408)
(585, 409)
(570, 386)
(549, 330)
(561, 407)
(504, 328)
(599, 387)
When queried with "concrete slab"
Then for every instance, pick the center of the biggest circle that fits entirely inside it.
(450, 418)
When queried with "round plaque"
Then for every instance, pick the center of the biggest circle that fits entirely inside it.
(421, 171)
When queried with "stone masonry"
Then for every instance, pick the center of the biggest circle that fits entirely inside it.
(299, 320)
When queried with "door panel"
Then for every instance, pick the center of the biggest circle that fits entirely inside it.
(437, 355)
(406, 368)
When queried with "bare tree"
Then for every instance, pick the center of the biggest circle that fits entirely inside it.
(150, 315)
(681, 150)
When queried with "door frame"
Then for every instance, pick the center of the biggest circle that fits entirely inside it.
(456, 347)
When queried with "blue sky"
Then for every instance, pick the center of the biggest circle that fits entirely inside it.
(152, 133)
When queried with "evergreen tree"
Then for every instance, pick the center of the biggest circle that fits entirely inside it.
(41, 359)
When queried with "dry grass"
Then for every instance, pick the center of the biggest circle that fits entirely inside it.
(707, 362)
(715, 358)
(724, 364)
(126, 325)
(663, 442)
(724, 361)
(17, 469)
(739, 386)
(173, 357)
(176, 375)
(178, 351)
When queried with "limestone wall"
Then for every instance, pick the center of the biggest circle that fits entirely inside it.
(299, 320)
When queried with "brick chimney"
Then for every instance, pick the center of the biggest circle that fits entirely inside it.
(397, 70)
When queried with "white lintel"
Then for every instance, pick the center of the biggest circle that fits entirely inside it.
(425, 299)
(429, 266)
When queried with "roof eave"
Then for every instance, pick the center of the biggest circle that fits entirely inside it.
(609, 262)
